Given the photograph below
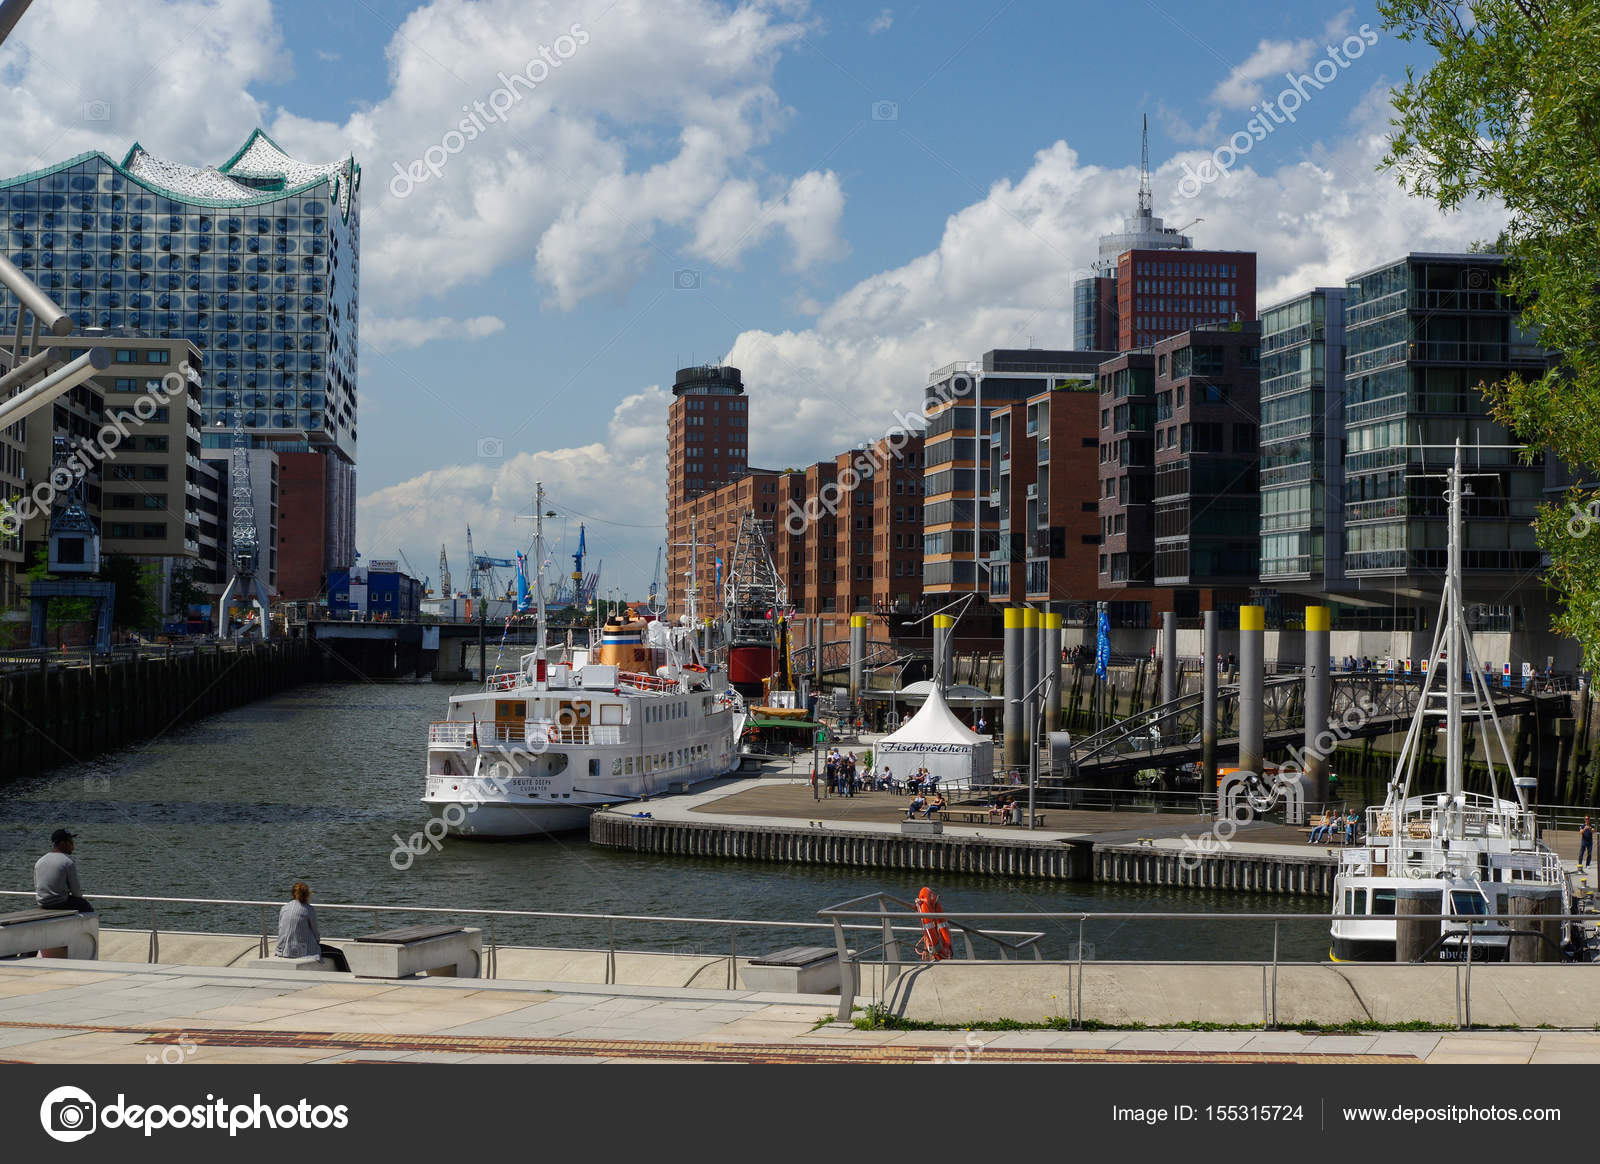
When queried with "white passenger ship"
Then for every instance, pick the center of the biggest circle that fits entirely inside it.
(1473, 848)
(540, 748)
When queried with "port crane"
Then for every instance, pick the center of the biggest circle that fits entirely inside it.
(653, 602)
(444, 574)
(243, 541)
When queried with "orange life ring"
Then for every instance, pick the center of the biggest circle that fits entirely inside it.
(935, 943)
(553, 734)
(693, 667)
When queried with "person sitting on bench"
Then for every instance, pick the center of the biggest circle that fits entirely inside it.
(55, 883)
(919, 802)
(1324, 831)
(298, 936)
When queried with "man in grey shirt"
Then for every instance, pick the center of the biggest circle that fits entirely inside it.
(55, 876)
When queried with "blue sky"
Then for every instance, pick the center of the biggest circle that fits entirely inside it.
(859, 192)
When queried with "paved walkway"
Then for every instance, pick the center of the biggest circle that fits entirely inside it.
(76, 1012)
(777, 801)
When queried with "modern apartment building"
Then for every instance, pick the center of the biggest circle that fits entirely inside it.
(255, 262)
(1302, 442)
(1179, 443)
(961, 508)
(1422, 333)
(160, 501)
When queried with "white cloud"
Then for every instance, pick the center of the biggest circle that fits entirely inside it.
(613, 162)
(609, 164)
(402, 334)
(1241, 88)
(615, 486)
(881, 22)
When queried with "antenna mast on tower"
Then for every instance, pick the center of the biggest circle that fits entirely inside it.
(1144, 167)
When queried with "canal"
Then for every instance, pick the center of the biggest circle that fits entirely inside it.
(317, 784)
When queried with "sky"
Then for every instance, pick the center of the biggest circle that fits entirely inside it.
(834, 197)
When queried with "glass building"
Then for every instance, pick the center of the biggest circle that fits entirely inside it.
(1302, 429)
(255, 261)
(1422, 334)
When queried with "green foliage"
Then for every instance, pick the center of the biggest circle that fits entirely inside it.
(136, 607)
(63, 611)
(182, 593)
(1507, 113)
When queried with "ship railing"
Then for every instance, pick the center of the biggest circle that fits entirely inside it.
(540, 731)
(642, 682)
(460, 733)
(504, 680)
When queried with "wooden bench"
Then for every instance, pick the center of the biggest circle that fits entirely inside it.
(448, 951)
(31, 930)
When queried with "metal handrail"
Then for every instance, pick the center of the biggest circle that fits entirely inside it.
(491, 957)
(849, 979)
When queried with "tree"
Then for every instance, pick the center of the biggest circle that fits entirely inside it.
(136, 607)
(1508, 113)
(63, 611)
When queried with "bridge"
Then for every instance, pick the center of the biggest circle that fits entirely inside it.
(1361, 705)
(836, 656)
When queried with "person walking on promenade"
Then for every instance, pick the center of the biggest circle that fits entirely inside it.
(1585, 842)
(298, 936)
(55, 883)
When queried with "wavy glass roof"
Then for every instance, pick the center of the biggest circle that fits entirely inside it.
(267, 173)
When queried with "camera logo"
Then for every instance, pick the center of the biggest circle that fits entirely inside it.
(885, 111)
(491, 448)
(68, 1114)
(1476, 279)
(687, 279)
(97, 110)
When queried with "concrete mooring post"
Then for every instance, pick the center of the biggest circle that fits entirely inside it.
(1013, 689)
(1319, 690)
(858, 658)
(1169, 657)
(1252, 676)
(943, 631)
(1050, 664)
(1208, 708)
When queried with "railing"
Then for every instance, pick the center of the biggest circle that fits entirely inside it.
(457, 733)
(734, 926)
(850, 963)
(642, 682)
(53, 657)
(879, 921)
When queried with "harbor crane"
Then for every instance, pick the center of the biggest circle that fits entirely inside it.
(243, 540)
(655, 587)
(444, 574)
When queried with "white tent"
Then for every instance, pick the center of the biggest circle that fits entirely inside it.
(936, 740)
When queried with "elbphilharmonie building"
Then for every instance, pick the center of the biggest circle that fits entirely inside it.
(257, 262)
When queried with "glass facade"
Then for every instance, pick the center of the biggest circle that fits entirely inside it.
(1422, 335)
(255, 262)
(1302, 419)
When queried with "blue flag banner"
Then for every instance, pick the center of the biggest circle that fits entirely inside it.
(523, 600)
(719, 576)
(1102, 647)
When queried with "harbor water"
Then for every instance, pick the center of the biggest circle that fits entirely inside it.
(321, 784)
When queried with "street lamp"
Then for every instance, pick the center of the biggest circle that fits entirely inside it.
(1043, 687)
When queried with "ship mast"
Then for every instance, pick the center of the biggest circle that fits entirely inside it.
(538, 579)
(1456, 656)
